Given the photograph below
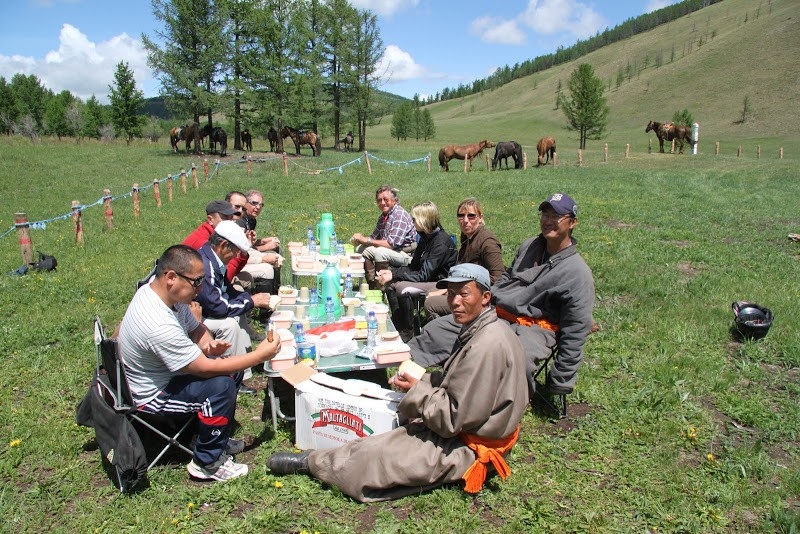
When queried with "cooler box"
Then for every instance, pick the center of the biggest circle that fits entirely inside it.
(330, 411)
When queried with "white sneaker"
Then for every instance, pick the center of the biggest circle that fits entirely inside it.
(226, 471)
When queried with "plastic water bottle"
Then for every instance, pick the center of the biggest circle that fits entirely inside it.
(372, 329)
(340, 249)
(312, 247)
(313, 297)
(299, 334)
(334, 249)
(330, 312)
(309, 237)
(348, 286)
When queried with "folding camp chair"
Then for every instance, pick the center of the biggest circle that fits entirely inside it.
(110, 373)
(555, 401)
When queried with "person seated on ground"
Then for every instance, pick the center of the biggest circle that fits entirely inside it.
(450, 414)
(433, 257)
(392, 241)
(478, 245)
(260, 272)
(253, 207)
(547, 296)
(173, 363)
(223, 305)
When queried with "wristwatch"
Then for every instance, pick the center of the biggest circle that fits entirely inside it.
(369, 240)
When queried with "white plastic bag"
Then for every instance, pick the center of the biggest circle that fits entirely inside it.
(336, 343)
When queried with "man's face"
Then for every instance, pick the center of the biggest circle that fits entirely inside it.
(555, 226)
(215, 218)
(466, 300)
(239, 203)
(229, 251)
(386, 201)
(183, 289)
(254, 205)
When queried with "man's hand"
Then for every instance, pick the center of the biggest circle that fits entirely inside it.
(268, 243)
(196, 310)
(261, 300)
(272, 259)
(269, 349)
(216, 347)
(358, 239)
(384, 276)
(403, 381)
(251, 236)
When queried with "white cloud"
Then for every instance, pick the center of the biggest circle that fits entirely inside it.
(397, 65)
(548, 17)
(81, 66)
(386, 8)
(653, 5)
(497, 31)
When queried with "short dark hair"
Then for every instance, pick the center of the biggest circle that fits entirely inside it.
(178, 258)
(230, 195)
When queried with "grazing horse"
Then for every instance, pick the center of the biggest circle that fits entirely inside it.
(347, 141)
(184, 133)
(506, 149)
(462, 152)
(302, 137)
(668, 131)
(272, 137)
(546, 147)
(218, 135)
(247, 140)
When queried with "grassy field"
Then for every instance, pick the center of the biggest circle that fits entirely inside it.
(675, 427)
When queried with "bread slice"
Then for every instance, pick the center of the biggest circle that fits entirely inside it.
(411, 369)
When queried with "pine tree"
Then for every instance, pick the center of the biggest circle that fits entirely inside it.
(585, 109)
(402, 121)
(368, 47)
(125, 103)
(428, 127)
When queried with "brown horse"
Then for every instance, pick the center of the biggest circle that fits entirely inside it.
(347, 141)
(247, 140)
(272, 137)
(302, 137)
(546, 147)
(184, 133)
(462, 152)
(667, 131)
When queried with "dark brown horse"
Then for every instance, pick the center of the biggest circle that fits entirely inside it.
(216, 135)
(668, 131)
(272, 137)
(505, 150)
(185, 133)
(247, 140)
(302, 137)
(347, 141)
(462, 152)
(546, 148)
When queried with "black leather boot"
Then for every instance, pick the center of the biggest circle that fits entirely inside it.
(289, 463)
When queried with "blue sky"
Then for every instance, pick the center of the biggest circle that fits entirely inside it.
(430, 44)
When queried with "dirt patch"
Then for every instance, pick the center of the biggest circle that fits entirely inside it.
(679, 243)
(618, 225)
(687, 269)
(560, 427)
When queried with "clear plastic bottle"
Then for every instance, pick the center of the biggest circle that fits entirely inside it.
(313, 296)
(299, 333)
(372, 329)
(340, 248)
(334, 250)
(312, 248)
(348, 286)
(330, 312)
(309, 237)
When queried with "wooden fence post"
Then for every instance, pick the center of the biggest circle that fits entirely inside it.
(136, 200)
(218, 168)
(285, 165)
(249, 165)
(205, 167)
(780, 153)
(580, 158)
(194, 177)
(605, 153)
(109, 211)
(183, 180)
(366, 158)
(487, 161)
(716, 148)
(555, 159)
(672, 148)
(466, 160)
(169, 187)
(157, 192)
(739, 152)
(428, 162)
(627, 150)
(758, 151)
(76, 219)
(24, 237)
(524, 161)
(649, 144)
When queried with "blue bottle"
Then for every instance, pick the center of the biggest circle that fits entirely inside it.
(372, 329)
(313, 296)
(309, 236)
(330, 313)
(348, 286)
(334, 250)
(299, 334)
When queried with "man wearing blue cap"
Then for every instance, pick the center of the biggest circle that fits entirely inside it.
(456, 425)
(546, 295)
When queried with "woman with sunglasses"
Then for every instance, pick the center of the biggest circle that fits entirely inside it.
(478, 245)
(432, 259)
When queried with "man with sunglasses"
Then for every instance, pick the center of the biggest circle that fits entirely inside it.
(546, 295)
(174, 366)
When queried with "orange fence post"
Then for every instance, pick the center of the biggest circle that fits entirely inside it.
(136, 200)
(194, 177)
(109, 211)
(627, 150)
(428, 162)
(524, 161)
(366, 158)
(285, 165)
(24, 237)
(716, 148)
(183, 180)
(249, 165)
(169, 187)
(205, 168)
(157, 192)
(218, 169)
(580, 158)
(76, 218)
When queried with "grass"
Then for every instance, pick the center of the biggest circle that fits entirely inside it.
(672, 241)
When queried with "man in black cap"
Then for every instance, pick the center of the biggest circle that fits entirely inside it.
(547, 296)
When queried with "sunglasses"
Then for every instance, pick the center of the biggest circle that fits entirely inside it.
(238, 207)
(470, 216)
(256, 203)
(195, 282)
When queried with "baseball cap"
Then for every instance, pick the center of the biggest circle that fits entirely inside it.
(222, 207)
(234, 233)
(464, 272)
(561, 204)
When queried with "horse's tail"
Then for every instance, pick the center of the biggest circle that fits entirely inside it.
(518, 151)
(318, 146)
(442, 163)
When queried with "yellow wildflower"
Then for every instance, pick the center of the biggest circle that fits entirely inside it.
(190, 506)
(711, 458)
(15, 443)
(278, 484)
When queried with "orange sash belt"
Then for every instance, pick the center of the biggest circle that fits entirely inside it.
(524, 320)
(486, 450)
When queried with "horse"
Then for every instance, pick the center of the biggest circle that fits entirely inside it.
(506, 149)
(546, 147)
(668, 131)
(247, 140)
(302, 137)
(272, 136)
(218, 135)
(175, 135)
(462, 152)
(184, 133)
(347, 141)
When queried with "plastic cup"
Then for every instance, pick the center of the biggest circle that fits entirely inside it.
(300, 312)
(304, 293)
(363, 288)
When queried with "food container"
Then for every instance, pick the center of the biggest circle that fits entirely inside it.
(295, 247)
(356, 261)
(284, 359)
(288, 294)
(305, 262)
(381, 311)
(393, 353)
(390, 336)
(282, 318)
(287, 338)
(374, 295)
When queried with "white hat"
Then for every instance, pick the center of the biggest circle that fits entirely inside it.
(234, 233)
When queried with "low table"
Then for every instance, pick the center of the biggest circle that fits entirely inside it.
(319, 265)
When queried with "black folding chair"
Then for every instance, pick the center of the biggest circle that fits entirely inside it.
(112, 378)
(555, 401)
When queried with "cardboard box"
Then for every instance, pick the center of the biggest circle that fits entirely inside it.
(330, 411)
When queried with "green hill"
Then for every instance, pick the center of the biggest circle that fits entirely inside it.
(710, 61)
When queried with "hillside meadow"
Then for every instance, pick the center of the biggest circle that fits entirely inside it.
(674, 426)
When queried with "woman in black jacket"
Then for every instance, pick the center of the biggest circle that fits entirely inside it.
(435, 254)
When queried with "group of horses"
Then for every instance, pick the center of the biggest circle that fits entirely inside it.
(667, 131)
(187, 133)
(546, 147)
